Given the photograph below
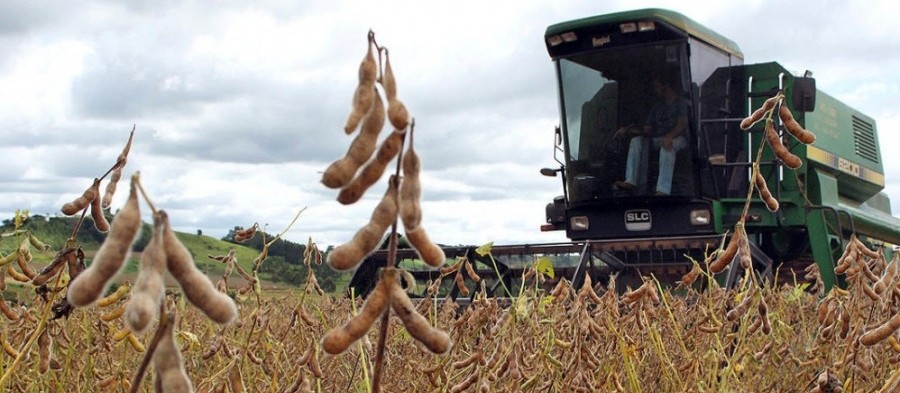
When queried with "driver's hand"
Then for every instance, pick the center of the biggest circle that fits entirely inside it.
(667, 143)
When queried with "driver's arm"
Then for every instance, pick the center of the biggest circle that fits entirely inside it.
(678, 129)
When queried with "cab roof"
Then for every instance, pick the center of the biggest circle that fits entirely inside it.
(672, 18)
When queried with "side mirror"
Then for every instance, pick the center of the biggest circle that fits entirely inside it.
(804, 97)
(549, 172)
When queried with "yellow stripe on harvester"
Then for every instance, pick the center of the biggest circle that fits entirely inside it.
(844, 165)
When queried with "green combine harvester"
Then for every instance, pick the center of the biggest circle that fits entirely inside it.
(632, 212)
(606, 67)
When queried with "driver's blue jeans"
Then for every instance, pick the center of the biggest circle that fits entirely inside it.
(636, 150)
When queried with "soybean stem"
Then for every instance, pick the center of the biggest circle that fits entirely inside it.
(136, 178)
(274, 239)
(164, 321)
(120, 162)
(78, 225)
(755, 168)
(392, 255)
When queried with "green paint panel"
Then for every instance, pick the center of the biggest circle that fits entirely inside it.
(839, 133)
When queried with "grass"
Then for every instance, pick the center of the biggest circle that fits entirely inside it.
(203, 246)
(54, 232)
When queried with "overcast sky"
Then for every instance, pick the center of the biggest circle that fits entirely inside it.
(240, 107)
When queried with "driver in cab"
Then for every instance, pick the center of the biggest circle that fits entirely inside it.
(662, 130)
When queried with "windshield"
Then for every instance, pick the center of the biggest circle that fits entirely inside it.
(621, 107)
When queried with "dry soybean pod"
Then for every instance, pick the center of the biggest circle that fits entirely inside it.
(691, 276)
(114, 251)
(313, 364)
(470, 270)
(765, 194)
(741, 308)
(167, 362)
(44, 344)
(214, 347)
(802, 135)
(427, 250)
(373, 169)
(364, 94)
(307, 319)
(149, 289)
(340, 172)
(863, 248)
(730, 251)
(587, 290)
(418, 327)
(338, 339)
(846, 261)
(844, 319)
(790, 160)
(743, 254)
(465, 384)
(76, 263)
(117, 172)
(758, 114)
(367, 238)
(763, 309)
(197, 287)
(15, 275)
(53, 268)
(823, 309)
(887, 279)
(23, 259)
(474, 357)
(245, 234)
(83, 201)
(461, 284)
(100, 221)
(411, 211)
(411, 189)
(398, 115)
(8, 312)
(882, 332)
(362, 102)
(388, 81)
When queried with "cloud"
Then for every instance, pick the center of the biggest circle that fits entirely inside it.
(239, 107)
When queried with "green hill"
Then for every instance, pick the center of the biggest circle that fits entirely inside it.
(283, 268)
(55, 230)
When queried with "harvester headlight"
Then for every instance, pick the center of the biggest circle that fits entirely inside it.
(569, 36)
(629, 27)
(579, 223)
(700, 217)
(554, 40)
(646, 25)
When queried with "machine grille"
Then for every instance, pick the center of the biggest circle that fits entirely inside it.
(864, 140)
